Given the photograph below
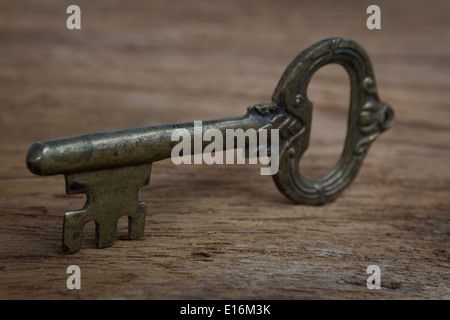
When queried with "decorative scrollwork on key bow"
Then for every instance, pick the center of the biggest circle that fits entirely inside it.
(368, 117)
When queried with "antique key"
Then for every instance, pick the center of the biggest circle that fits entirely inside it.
(110, 167)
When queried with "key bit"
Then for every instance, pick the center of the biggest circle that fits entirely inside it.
(110, 167)
(106, 203)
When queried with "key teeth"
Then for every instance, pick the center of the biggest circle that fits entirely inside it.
(72, 231)
(136, 224)
(105, 234)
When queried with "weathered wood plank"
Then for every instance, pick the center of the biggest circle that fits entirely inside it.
(219, 232)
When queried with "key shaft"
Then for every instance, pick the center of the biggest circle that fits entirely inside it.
(122, 148)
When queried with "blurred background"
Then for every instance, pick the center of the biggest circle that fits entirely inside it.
(139, 63)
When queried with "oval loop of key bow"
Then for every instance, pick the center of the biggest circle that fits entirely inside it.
(368, 117)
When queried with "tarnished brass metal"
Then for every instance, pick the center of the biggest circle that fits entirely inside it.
(110, 167)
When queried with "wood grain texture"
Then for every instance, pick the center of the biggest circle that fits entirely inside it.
(225, 232)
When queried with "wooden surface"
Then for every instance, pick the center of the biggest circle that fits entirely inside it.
(224, 231)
